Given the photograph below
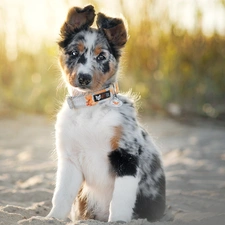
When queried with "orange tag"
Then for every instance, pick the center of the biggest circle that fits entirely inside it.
(89, 100)
(115, 102)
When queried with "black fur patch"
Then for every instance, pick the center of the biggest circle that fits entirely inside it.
(140, 150)
(151, 208)
(144, 134)
(82, 59)
(105, 67)
(107, 22)
(66, 41)
(123, 163)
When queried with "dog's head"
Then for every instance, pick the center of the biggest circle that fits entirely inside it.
(89, 57)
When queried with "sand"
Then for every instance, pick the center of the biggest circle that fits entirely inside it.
(193, 155)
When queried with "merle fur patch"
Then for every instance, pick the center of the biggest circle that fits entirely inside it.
(96, 52)
(151, 207)
(155, 164)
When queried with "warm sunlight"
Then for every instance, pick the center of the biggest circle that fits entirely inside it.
(27, 22)
(99, 101)
(185, 32)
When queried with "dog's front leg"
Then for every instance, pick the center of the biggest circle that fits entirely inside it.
(125, 166)
(68, 182)
(124, 198)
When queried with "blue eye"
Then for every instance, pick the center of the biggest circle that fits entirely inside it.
(101, 57)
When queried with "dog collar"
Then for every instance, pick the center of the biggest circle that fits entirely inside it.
(94, 98)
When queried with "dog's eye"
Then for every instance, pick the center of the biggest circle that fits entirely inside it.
(74, 53)
(101, 57)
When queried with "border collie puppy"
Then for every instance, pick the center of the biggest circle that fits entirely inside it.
(108, 167)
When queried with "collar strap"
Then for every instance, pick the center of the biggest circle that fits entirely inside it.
(93, 98)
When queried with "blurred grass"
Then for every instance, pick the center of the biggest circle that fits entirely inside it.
(179, 68)
(171, 67)
(31, 83)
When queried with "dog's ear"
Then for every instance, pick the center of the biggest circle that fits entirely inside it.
(77, 20)
(114, 29)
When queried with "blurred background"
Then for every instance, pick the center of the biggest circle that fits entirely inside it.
(175, 56)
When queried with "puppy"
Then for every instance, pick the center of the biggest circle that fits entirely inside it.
(108, 167)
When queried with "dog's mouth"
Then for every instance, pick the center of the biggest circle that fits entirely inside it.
(86, 88)
(83, 89)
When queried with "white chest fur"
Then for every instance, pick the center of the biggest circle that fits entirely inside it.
(83, 135)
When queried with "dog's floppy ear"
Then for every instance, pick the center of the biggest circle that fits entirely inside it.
(114, 29)
(77, 20)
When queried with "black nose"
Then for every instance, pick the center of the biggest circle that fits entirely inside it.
(84, 79)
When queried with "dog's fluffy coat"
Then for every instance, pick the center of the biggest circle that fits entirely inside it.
(108, 167)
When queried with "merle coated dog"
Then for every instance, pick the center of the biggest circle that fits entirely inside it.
(109, 169)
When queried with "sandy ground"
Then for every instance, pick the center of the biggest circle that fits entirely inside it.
(193, 154)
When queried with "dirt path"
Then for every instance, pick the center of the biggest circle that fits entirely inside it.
(194, 158)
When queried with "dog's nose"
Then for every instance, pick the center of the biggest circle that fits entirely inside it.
(84, 79)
